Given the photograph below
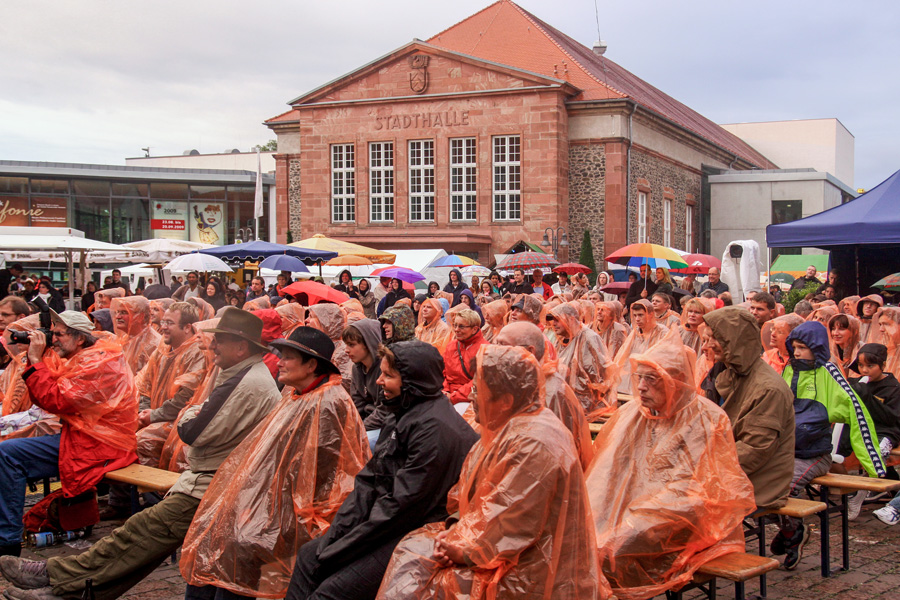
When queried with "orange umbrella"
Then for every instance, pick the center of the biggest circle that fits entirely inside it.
(348, 260)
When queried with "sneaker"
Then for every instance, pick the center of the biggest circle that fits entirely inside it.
(794, 551)
(777, 547)
(887, 515)
(44, 593)
(26, 574)
(854, 504)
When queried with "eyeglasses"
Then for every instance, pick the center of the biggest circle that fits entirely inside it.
(167, 323)
(652, 380)
(462, 326)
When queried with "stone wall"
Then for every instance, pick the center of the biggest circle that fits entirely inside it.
(294, 199)
(587, 198)
(663, 179)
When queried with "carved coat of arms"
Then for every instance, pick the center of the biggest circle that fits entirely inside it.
(418, 77)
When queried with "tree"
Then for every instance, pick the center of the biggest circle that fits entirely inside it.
(290, 236)
(587, 257)
(270, 146)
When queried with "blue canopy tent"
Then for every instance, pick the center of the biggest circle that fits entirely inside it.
(863, 236)
(259, 250)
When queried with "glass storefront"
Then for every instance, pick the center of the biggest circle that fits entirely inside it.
(122, 211)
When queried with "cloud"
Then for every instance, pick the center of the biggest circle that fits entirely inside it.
(94, 81)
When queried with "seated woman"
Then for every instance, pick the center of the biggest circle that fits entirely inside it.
(774, 334)
(843, 335)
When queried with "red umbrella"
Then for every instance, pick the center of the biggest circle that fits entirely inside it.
(699, 264)
(316, 292)
(527, 261)
(616, 287)
(571, 269)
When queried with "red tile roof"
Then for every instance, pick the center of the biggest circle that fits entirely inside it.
(507, 34)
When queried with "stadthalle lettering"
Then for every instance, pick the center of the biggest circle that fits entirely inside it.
(448, 118)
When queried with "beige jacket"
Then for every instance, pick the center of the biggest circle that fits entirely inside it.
(247, 405)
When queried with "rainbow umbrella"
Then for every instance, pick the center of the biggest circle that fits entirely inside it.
(453, 260)
(652, 255)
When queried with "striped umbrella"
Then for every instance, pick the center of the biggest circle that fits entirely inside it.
(889, 283)
(527, 261)
(652, 255)
(453, 260)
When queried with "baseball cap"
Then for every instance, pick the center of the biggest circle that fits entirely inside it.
(73, 319)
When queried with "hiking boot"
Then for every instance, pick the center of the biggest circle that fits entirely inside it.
(794, 547)
(777, 547)
(854, 504)
(44, 593)
(26, 574)
(887, 515)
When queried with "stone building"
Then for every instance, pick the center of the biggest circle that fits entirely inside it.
(488, 133)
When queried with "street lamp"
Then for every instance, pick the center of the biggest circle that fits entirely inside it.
(555, 239)
(240, 234)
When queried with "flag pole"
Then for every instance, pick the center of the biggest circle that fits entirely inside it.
(258, 195)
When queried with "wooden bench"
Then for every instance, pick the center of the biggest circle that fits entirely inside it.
(844, 485)
(795, 507)
(142, 479)
(737, 567)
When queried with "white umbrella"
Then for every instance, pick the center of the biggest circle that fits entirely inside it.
(162, 249)
(475, 271)
(198, 262)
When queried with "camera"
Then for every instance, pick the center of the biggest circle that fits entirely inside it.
(21, 337)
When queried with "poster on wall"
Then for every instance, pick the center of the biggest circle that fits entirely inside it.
(49, 212)
(169, 220)
(208, 222)
(44, 212)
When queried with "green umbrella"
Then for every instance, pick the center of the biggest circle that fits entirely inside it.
(781, 278)
(889, 283)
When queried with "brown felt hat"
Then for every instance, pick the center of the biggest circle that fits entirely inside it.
(243, 324)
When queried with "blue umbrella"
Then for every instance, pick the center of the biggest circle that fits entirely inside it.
(451, 260)
(259, 250)
(283, 262)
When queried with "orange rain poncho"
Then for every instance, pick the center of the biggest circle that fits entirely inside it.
(776, 354)
(524, 520)
(173, 457)
(638, 342)
(205, 310)
(276, 491)
(329, 319)
(353, 305)
(848, 305)
(561, 400)
(690, 335)
(495, 317)
(588, 368)
(158, 307)
(612, 332)
(167, 372)
(851, 348)
(293, 315)
(890, 319)
(103, 298)
(822, 314)
(665, 486)
(436, 331)
(138, 339)
(15, 397)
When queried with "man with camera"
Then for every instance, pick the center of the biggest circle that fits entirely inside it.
(88, 384)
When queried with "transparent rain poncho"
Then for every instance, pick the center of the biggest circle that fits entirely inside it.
(776, 354)
(638, 342)
(330, 319)
(524, 519)
(138, 339)
(280, 488)
(844, 356)
(293, 315)
(495, 317)
(665, 485)
(588, 368)
(435, 331)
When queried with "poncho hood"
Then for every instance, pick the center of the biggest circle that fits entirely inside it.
(737, 332)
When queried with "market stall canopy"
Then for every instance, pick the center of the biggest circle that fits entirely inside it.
(872, 218)
(338, 247)
(55, 239)
(202, 263)
(161, 249)
(258, 250)
(795, 264)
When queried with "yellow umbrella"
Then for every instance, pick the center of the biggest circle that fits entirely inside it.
(320, 242)
(349, 260)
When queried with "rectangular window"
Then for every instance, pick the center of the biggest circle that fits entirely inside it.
(421, 180)
(785, 211)
(381, 182)
(463, 180)
(667, 223)
(343, 183)
(689, 228)
(642, 217)
(507, 178)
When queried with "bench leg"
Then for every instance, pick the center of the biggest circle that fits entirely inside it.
(135, 500)
(761, 537)
(46, 486)
(845, 533)
(824, 519)
(739, 590)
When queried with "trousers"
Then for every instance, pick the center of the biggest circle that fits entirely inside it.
(21, 460)
(358, 580)
(120, 560)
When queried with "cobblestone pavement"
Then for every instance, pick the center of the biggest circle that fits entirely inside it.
(874, 567)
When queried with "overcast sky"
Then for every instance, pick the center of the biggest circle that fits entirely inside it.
(94, 82)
